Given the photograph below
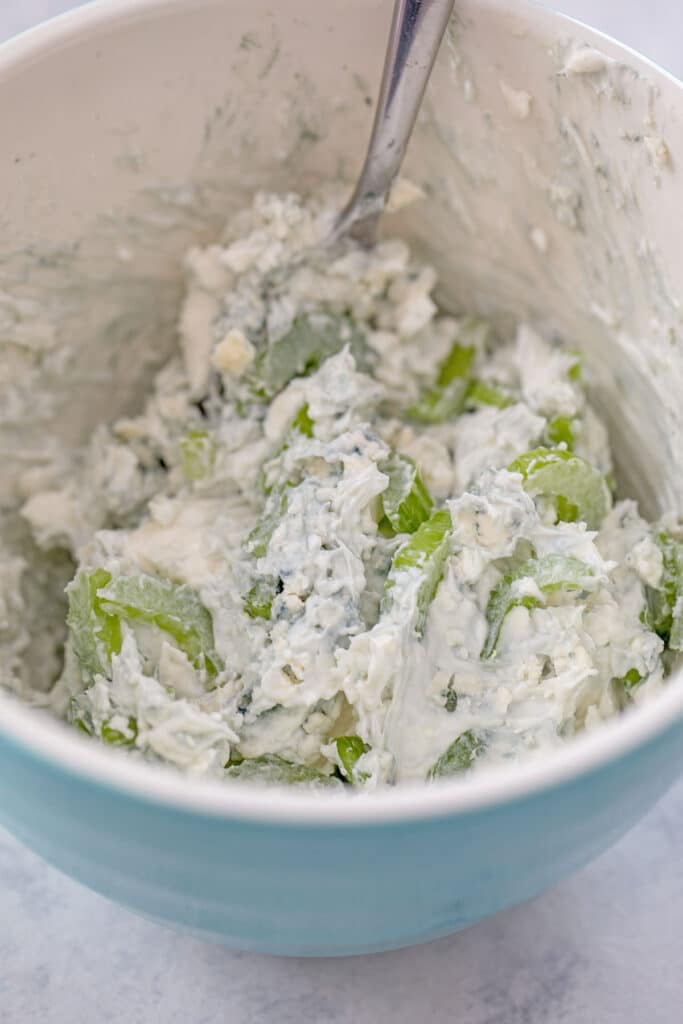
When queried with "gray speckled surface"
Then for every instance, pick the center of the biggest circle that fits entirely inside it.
(603, 948)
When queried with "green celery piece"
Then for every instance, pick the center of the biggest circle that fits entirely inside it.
(350, 749)
(561, 431)
(79, 718)
(437, 405)
(426, 551)
(303, 422)
(258, 602)
(576, 369)
(471, 337)
(92, 629)
(258, 540)
(197, 455)
(631, 680)
(174, 609)
(446, 399)
(579, 489)
(311, 339)
(406, 501)
(459, 756)
(273, 770)
(550, 573)
(385, 529)
(480, 392)
(456, 365)
(117, 738)
(665, 603)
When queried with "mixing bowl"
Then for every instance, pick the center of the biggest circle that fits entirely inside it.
(549, 157)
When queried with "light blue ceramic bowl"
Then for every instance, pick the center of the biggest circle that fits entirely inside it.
(169, 114)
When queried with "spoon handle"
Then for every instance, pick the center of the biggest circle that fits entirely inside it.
(417, 28)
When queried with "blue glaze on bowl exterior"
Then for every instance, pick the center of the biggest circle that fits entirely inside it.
(302, 889)
(258, 871)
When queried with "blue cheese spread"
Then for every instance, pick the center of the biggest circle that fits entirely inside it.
(351, 540)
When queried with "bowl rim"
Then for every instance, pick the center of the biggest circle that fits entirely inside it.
(53, 743)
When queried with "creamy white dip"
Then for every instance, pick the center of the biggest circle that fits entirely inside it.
(321, 552)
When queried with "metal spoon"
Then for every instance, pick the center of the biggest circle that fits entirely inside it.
(417, 28)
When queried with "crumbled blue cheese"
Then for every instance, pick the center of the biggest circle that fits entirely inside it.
(254, 481)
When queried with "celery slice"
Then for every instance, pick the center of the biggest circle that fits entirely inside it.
(579, 489)
(426, 551)
(664, 612)
(550, 573)
(406, 501)
(631, 681)
(94, 632)
(197, 455)
(311, 339)
(437, 405)
(174, 609)
(446, 399)
(258, 540)
(273, 770)
(459, 755)
(258, 602)
(561, 431)
(480, 392)
(117, 738)
(350, 749)
(575, 372)
(302, 422)
(456, 365)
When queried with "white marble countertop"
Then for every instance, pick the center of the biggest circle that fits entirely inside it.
(602, 948)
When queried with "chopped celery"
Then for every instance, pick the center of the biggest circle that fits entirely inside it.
(273, 770)
(456, 365)
(631, 680)
(350, 749)
(176, 610)
(406, 501)
(308, 343)
(454, 385)
(575, 371)
(198, 455)
(480, 392)
(258, 540)
(550, 573)
(446, 399)
(426, 551)
(437, 405)
(93, 631)
(561, 431)
(578, 489)
(385, 529)
(116, 737)
(459, 756)
(80, 718)
(303, 422)
(258, 601)
(665, 603)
